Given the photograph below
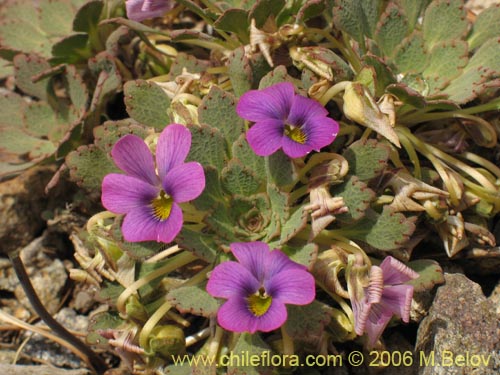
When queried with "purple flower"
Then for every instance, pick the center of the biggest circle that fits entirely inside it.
(258, 287)
(149, 199)
(385, 296)
(284, 119)
(139, 10)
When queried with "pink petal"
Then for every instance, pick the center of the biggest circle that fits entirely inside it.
(293, 286)
(274, 318)
(132, 155)
(273, 102)
(304, 109)
(172, 148)
(361, 311)
(252, 256)
(373, 293)
(277, 261)
(122, 193)
(140, 225)
(265, 137)
(397, 300)
(139, 10)
(235, 316)
(185, 182)
(230, 279)
(321, 131)
(378, 320)
(294, 149)
(396, 272)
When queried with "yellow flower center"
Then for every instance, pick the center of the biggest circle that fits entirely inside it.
(259, 302)
(162, 205)
(295, 134)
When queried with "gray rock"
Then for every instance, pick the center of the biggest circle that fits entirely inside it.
(460, 336)
(38, 370)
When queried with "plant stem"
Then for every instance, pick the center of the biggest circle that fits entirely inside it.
(97, 363)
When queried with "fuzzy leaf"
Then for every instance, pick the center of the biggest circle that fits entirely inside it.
(357, 198)
(444, 20)
(239, 180)
(147, 103)
(413, 10)
(486, 26)
(406, 95)
(40, 118)
(279, 169)
(310, 9)
(188, 62)
(430, 273)
(349, 17)
(77, 89)
(24, 36)
(280, 211)
(263, 9)
(212, 194)
(279, 74)
(410, 55)
(295, 223)
(234, 21)
(240, 71)
(217, 109)
(26, 67)
(13, 106)
(383, 75)
(88, 165)
(367, 159)
(194, 300)
(221, 223)
(307, 321)
(56, 17)
(242, 151)
(72, 49)
(483, 66)
(87, 17)
(109, 81)
(391, 29)
(17, 141)
(446, 61)
(254, 346)
(200, 244)
(208, 147)
(106, 135)
(305, 255)
(386, 231)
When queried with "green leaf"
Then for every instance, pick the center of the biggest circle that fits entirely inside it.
(444, 20)
(77, 90)
(56, 17)
(200, 244)
(295, 223)
(13, 106)
(147, 103)
(218, 109)
(367, 159)
(483, 66)
(410, 55)
(307, 321)
(24, 37)
(242, 151)
(106, 135)
(102, 321)
(406, 95)
(263, 9)
(413, 10)
(188, 62)
(88, 17)
(88, 165)
(240, 71)
(357, 198)
(73, 49)
(26, 67)
(386, 231)
(430, 273)
(391, 29)
(383, 75)
(235, 21)
(253, 346)
(17, 141)
(109, 80)
(486, 26)
(239, 180)
(212, 194)
(349, 16)
(305, 254)
(221, 222)
(193, 300)
(310, 9)
(40, 118)
(279, 169)
(446, 61)
(208, 147)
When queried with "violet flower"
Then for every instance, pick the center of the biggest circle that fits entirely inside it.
(139, 10)
(285, 120)
(149, 199)
(385, 296)
(257, 287)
